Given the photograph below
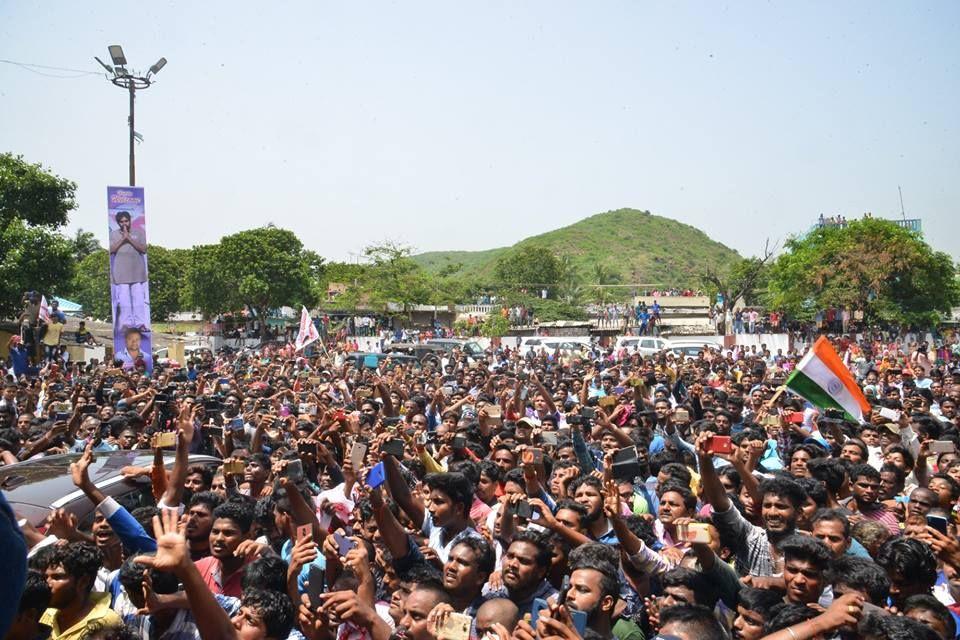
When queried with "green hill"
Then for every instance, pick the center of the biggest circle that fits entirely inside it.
(636, 246)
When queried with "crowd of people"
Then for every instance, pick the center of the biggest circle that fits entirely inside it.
(494, 497)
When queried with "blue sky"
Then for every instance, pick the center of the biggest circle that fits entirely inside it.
(451, 125)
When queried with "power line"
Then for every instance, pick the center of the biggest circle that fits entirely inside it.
(34, 68)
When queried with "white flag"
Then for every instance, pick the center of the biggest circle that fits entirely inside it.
(308, 332)
(44, 309)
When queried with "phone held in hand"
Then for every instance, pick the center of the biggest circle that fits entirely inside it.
(456, 626)
(695, 532)
(294, 470)
(344, 544)
(315, 586)
(719, 444)
(393, 447)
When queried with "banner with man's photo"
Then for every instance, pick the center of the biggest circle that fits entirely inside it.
(129, 289)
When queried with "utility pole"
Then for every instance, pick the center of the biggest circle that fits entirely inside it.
(129, 80)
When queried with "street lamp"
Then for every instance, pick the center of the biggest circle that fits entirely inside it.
(131, 81)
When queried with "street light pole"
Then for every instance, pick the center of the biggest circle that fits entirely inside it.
(133, 164)
(129, 80)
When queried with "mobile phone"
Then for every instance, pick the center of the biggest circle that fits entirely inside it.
(549, 437)
(522, 376)
(607, 401)
(458, 443)
(316, 586)
(681, 415)
(794, 417)
(344, 544)
(719, 444)
(588, 413)
(376, 476)
(393, 447)
(216, 432)
(233, 468)
(937, 522)
(236, 424)
(942, 446)
(390, 421)
(456, 626)
(889, 414)
(61, 416)
(303, 531)
(294, 470)
(164, 439)
(579, 618)
(493, 411)
(89, 409)
(532, 456)
(523, 510)
(357, 453)
(212, 404)
(307, 448)
(626, 470)
(698, 532)
(625, 454)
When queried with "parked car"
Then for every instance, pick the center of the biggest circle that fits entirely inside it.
(692, 348)
(644, 345)
(551, 343)
(35, 487)
(357, 358)
(422, 351)
(470, 347)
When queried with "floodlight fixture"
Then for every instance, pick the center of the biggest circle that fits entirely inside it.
(116, 52)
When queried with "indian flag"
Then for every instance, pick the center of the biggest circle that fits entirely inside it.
(822, 379)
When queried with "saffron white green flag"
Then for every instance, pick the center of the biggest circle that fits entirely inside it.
(822, 379)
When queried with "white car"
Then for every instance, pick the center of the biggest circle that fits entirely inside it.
(644, 345)
(692, 348)
(551, 343)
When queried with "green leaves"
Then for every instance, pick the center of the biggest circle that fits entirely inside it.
(33, 256)
(874, 265)
(264, 268)
(33, 195)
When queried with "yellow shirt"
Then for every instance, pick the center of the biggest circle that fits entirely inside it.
(52, 337)
(100, 617)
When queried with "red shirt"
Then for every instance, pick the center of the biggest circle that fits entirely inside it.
(211, 572)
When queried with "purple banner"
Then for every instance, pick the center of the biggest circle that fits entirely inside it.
(129, 290)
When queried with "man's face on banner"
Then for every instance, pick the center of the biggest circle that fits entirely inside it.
(133, 342)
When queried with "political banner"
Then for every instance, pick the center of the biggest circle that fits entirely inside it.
(129, 289)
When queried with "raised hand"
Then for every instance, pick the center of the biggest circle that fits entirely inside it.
(78, 469)
(172, 552)
(62, 524)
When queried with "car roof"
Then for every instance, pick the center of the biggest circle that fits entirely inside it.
(45, 483)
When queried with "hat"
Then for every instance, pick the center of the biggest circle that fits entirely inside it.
(892, 427)
(527, 422)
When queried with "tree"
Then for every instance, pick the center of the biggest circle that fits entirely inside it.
(531, 268)
(84, 243)
(872, 265)
(33, 257)
(91, 284)
(604, 275)
(30, 193)
(392, 276)
(741, 279)
(263, 268)
(205, 283)
(167, 272)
